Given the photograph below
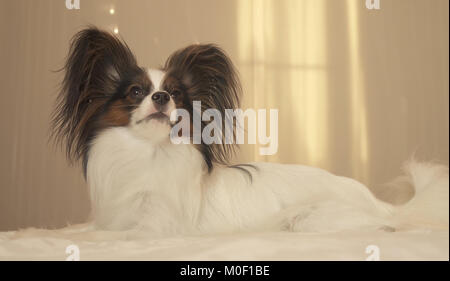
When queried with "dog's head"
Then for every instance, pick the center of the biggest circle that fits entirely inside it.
(104, 87)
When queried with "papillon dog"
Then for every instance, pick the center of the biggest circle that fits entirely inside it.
(115, 117)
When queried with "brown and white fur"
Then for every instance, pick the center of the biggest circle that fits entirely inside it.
(114, 116)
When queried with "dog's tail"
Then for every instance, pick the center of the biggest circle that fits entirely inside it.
(429, 207)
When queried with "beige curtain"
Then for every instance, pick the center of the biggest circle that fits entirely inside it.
(359, 91)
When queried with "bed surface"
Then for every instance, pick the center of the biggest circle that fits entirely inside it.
(38, 244)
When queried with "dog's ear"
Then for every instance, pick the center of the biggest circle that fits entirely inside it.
(97, 63)
(208, 75)
(206, 71)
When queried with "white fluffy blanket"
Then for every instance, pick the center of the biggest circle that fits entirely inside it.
(36, 244)
(429, 209)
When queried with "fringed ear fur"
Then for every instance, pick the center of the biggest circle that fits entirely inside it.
(208, 76)
(97, 64)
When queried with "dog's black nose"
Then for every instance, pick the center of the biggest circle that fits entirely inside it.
(161, 98)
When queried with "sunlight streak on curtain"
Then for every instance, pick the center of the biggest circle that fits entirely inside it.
(282, 52)
(360, 151)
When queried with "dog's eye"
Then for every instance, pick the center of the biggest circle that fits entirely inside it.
(175, 94)
(137, 92)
